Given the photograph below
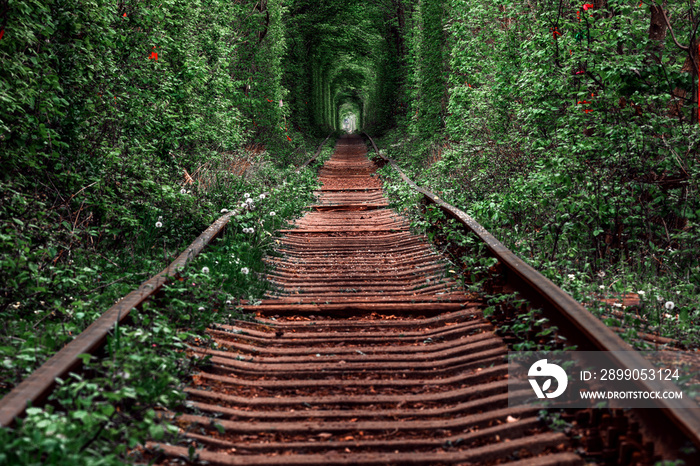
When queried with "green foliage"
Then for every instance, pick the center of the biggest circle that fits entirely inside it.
(428, 63)
(131, 392)
(125, 129)
(339, 55)
(571, 135)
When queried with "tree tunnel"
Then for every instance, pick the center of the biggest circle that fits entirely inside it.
(343, 55)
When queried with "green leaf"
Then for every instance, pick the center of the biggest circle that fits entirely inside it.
(156, 431)
(85, 357)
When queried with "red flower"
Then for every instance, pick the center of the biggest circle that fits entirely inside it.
(288, 138)
(588, 6)
(124, 15)
(154, 56)
(2, 33)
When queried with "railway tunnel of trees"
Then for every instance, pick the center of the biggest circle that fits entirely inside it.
(173, 80)
(568, 129)
(508, 107)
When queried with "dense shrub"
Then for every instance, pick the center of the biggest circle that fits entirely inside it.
(571, 133)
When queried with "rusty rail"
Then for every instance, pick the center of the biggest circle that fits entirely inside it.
(40, 383)
(320, 148)
(673, 421)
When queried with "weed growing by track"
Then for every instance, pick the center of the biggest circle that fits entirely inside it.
(639, 286)
(102, 415)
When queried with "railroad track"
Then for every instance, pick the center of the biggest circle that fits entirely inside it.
(368, 351)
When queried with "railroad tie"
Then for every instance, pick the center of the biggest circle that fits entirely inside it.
(366, 352)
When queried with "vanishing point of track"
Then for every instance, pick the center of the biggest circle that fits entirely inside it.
(367, 352)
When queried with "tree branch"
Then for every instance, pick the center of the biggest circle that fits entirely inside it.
(673, 35)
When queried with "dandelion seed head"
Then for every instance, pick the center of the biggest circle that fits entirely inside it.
(245, 271)
(201, 308)
(205, 269)
(159, 224)
(249, 200)
(669, 305)
(183, 191)
(223, 211)
(272, 214)
(601, 274)
(246, 195)
(262, 196)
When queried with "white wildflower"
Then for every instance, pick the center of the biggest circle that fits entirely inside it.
(602, 287)
(641, 293)
(601, 274)
(617, 304)
(205, 269)
(245, 271)
(159, 224)
(669, 305)
(228, 302)
(571, 276)
(201, 308)
(160, 217)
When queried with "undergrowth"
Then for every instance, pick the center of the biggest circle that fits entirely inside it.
(558, 219)
(103, 414)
